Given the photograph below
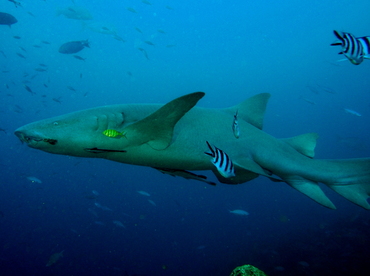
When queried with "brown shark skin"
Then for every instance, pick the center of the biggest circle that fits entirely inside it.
(173, 136)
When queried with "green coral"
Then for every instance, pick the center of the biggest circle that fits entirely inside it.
(247, 270)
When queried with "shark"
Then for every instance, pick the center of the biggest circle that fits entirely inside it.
(172, 138)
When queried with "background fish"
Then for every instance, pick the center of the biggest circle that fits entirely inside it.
(73, 47)
(354, 49)
(7, 19)
(75, 12)
(239, 212)
(54, 258)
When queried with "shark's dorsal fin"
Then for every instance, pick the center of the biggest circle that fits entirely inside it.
(304, 143)
(157, 128)
(252, 110)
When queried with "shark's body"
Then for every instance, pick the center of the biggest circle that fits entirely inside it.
(172, 138)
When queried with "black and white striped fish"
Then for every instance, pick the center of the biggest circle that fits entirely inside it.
(356, 49)
(222, 162)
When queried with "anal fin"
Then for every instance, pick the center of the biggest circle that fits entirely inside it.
(356, 193)
(310, 189)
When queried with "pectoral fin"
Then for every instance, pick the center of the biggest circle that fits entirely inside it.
(157, 129)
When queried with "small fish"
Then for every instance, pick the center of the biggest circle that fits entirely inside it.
(30, 13)
(16, 3)
(79, 58)
(239, 212)
(152, 202)
(131, 10)
(144, 52)
(137, 29)
(95, 192)
(71, 88)
(146, 2)
(308, 100)
(222, 162)
(43, 65)
(45, 42)
(16, 36)
(34, 179)
(24, 50)
(40, 69)
(1, 129)
(57, 100)
(350, 111)
(105, 208)
(54, 258)
(117, 37)
(149, 42)
(28, 89)
(355, 49)
(143, 193)
(161, 31)
(36, 46)
(20, 55)
(119, 224)
(235, 126)
(3, 54)
(112, 133)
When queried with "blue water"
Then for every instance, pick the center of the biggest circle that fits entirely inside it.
(229, 49)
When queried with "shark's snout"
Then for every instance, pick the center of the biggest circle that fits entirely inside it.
(32, 138)
(27, 137)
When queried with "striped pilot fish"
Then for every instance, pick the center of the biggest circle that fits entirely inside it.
(222, 162)
(356, 49)
(235, 126)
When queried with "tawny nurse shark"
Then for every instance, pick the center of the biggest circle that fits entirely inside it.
(172, 138)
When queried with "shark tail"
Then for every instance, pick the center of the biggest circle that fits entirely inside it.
(349, 177)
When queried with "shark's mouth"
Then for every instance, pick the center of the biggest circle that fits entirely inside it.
(32, 139)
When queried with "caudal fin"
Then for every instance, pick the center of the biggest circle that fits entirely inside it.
(353, 180)
(350, 178)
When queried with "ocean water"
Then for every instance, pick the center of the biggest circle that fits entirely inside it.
(231, 50)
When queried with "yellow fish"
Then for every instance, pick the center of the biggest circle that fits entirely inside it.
(112, 133)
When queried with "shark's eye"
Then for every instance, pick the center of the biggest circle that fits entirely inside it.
(55, 123)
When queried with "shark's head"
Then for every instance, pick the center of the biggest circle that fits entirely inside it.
(148, 130)
(74, 133)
